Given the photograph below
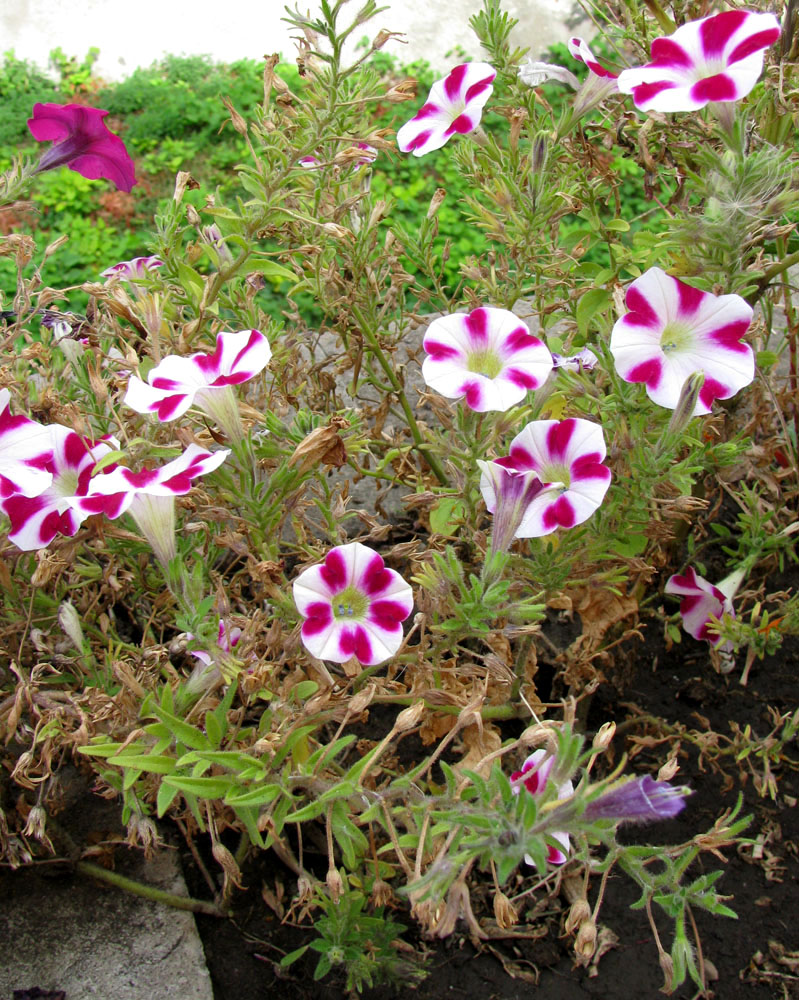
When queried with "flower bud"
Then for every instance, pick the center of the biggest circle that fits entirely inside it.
(505, 912)
(227, 863)
(686, 404)
(409, 717)
(604, 737)
(669, 769)
(585, 943)
(69, 620)
(404, 91)
(436, 202)
(335, 884)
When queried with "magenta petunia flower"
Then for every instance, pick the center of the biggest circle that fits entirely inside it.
(534, 776)
(138, 267)
(26, 451)
(566, 456)
(81, 141)
(149, 496)
(204, 380)
(487, 356)
(702, 601)
(673, 330)
(454, 105)
(353, 606)
(718, 58)
(580, 50)
(35, 521)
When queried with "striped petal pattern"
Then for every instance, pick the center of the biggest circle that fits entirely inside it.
(487, 357)
(25, 453)
(673, 330)
(533, 777)
(454, 105)
(700, 601)
(718, 58)
(353, 606)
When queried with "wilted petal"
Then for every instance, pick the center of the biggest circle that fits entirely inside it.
(130, 270)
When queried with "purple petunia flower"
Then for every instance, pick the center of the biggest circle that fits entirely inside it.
(533, 776)
(566, 456)
(26, 449)
(487, 356)
(718, 58)
(204, 380)
(35, 521)
(454, 105)
(638, 800)
(584, 361)
(81, 141)
(149, 496)
(137, 267)
(353, 606)
(703, 601)
(673, 330)
(508, 495)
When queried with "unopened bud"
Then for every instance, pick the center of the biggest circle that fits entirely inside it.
(604, 737)
(404, 91)
(69, 620)
(239, 124)
(193, 216)
(436, 202)
(535, 73)
(686, 404)
(667, 968)
(183, 180)
(382, 894)
(538, 154)
(579, 912)
(338, 231)
(669, 769)
(335, 884)
(227, 863)
(35, 824)
(362, 699)
(585, 942)
(409, 717)
(304, 889)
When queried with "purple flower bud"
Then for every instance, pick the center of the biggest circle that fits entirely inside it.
(638, 800)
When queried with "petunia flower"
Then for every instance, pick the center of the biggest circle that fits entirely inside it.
(704, 603)
(209, 669)
(487, 356)
(149, 496)
(638, 800)
(584, 361)
(566, 456)
(673, 330)
(454, 105)
(353, 606)
(35, 521)
(25, 452)
(81, 141)
(508, 495)
(581, 51)
(533, 776)
(717, 58)
(130, 270)
(204, 380)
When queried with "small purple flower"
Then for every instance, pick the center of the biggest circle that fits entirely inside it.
(487, 356)
(455, 105)
(131, 270)
(673, 330)
(718, 58)
(81, 141)
(353, 606)
(35, 521)
(702, 603)
(26, 450)
(508, 495)
(584, 361)
(638, 800)
(533, 777)
(204, 380)
(566, 456)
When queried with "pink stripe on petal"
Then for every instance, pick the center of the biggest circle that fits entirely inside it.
(421, 139)
(479, 88)
(319, 618)
(646, 92)
(473, 393)
(755, 43)
(521, 378)
(666, 53)
(589, 467)
(376, 578)
(729, 337)
(640, 310)
(650, 372)
(462, 125)
(165, 383)
(715, 88)
(334, 571)
(476, 322)
(454, 82)
(519, 339)
(254, 340)
(713, 390)
(558, 437)
(440, 352)
(519, 458)
(166, 408)
(690, 298)
(560, 513)
(355, 642)
(716, 32)
(387, 614)
(426, 111)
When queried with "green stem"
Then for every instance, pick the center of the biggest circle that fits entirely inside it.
(771, 272)
(148, 891)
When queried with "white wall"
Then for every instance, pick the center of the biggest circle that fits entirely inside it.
(137, 32)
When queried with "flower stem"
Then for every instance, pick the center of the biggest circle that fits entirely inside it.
(148, 891)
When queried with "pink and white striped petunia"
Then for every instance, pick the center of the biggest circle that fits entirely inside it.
(205, 380)
(25, 453)
(487, 356)
(137, 267)
(534, 776)
(566, 455)
(580, 50)
(673, 330)
(454, 105)
(35, 521)
(353, 606)
(149, 496)
(702, 601)
(718, 58)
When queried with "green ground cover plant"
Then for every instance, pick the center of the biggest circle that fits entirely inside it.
(396, 371)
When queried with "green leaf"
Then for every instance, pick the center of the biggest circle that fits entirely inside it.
(213, 730)
(292, 956)
(269, 269)
(588, 306)
(304, 690)
(189, 735)
(618, 226)
(447, 516)
(145, 762)
(166, 796)
(206, 788)
(255, 797)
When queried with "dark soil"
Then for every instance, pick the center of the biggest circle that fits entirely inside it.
(650, 690)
